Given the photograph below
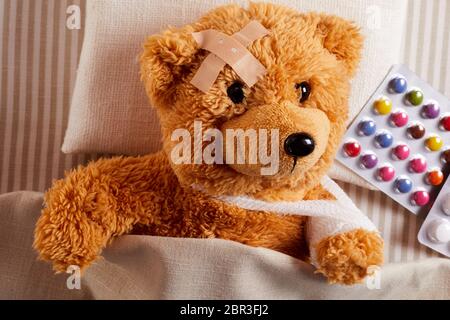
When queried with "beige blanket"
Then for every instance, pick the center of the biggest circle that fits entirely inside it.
(144, 267)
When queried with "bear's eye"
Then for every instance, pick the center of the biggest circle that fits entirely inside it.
(305, 90)
(235, 92)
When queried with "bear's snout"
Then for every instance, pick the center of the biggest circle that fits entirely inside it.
(296, 139)
(299, 144)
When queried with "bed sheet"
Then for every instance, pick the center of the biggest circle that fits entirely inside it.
(146, 267)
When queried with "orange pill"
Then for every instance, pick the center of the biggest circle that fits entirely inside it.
(435, 177)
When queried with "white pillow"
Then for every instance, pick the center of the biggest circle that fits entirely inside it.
(110, 112)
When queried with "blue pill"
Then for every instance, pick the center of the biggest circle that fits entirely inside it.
(398, 84)
(384, 139)
(403, 185)
(367, 127)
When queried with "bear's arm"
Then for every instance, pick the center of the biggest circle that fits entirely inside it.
(92, 204)
(347, 257)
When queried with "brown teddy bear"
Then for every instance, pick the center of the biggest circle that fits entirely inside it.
(308, 60)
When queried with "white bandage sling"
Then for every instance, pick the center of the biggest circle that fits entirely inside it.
(328, 217)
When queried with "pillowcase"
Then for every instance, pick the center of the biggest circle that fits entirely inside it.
(110, 112)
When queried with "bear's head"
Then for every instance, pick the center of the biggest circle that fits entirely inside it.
(300, 103)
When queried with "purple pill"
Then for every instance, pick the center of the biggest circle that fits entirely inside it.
(369, 160)
(431, 110)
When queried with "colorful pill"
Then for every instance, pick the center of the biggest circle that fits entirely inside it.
(383, 105)
(398, 84)
(431, 110)
(435, 177)
(416, 131)
(438, 231)
(434, 143)
(415, 97)
(445, 123)
(384, 139)
(399, 118)
(445, 156)
(420, 198)
(418, 164)
(367, 127)
(352, 149)
(386, 173)
(369, 160)
(401, 152)
(403, 184)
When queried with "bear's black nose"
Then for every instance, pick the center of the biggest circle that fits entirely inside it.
(299, 144)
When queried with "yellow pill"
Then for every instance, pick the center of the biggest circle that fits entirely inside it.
(434, 143)
(383, 105)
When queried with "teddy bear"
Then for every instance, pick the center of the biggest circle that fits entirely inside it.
(295, 80)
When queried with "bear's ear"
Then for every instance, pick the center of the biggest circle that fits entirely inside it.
(341, 38)
(163, 60)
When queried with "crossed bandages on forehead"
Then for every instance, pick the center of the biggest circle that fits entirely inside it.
(231, 50)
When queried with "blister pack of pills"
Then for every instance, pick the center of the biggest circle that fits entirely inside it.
(400, 141)
(435, 230)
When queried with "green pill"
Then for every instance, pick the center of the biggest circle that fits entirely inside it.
(415, 97)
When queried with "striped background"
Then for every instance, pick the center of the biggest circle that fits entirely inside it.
(39, 57)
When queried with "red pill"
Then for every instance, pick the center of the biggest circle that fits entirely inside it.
(352, 149)
(445, 123)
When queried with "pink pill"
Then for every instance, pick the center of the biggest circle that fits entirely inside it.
(418, 164)
(420, 198)
(399, 118)
(401, 152)
(386, 173)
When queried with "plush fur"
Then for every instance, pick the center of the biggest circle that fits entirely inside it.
(152, 195)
